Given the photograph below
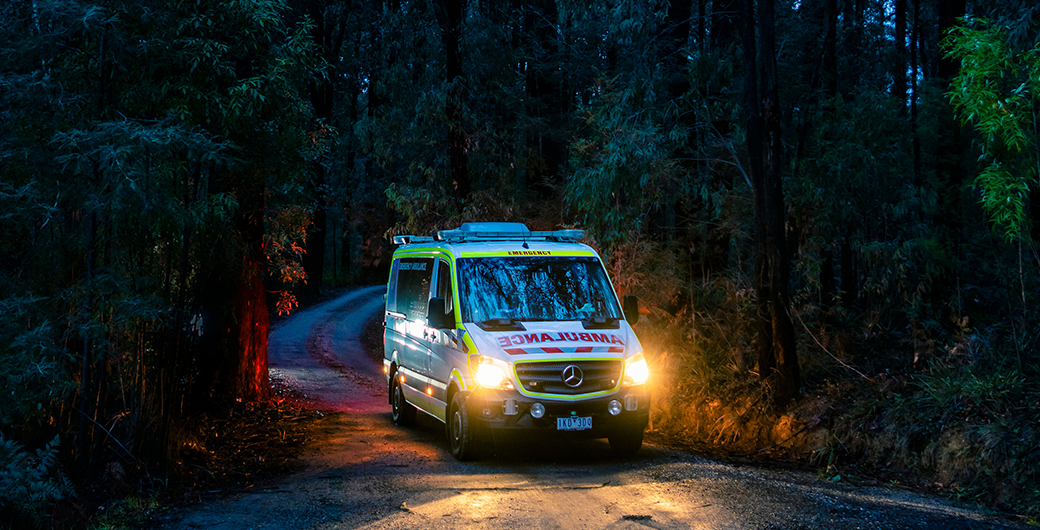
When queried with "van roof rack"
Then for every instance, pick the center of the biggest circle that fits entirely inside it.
(504, 232)
(458, 236)
(404, 239)
(473, 232)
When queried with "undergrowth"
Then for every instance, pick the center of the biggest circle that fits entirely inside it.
(30, 484)
(928, 405)
(963, 430)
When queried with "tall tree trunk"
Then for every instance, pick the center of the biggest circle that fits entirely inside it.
(948, 166)
(830, 53)
(784, 344)
(852, 44)
(915, 51)
(248, 376)
(827, 279)
(824, 70)
(724, 21)
(322, 94)
(244, 374)
(232, 359)
(84, 436)
(777, 350)
(753, 126)
(313, 260)
(899, 55)
(449, 17)
(545, 98)
(702, 26)
(950, 159)
(849, 276)
(676, 37)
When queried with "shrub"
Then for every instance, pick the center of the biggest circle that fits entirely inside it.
(34, 375)
(29, 485)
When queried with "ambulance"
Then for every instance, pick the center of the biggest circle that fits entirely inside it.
(496, 331)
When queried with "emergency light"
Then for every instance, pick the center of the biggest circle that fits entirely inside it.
(473, 232)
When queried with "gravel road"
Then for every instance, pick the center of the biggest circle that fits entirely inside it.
(365, 472)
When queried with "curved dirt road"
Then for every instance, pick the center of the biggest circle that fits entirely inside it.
(368, 473)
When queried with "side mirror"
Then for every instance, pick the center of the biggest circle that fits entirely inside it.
(435, 317)
(630, 306)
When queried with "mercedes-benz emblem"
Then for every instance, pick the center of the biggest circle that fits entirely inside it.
(572, 376)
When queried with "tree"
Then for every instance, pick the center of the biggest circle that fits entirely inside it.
(252, 96)
(997, 91)
(162, 138)
(449, 18)
(328, 31)
(777, 350)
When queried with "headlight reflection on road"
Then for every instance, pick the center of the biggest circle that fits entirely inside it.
(470, 506)
(478, 502)
(502, 501)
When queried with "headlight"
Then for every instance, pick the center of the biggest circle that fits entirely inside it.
(490, 376)
(636, 371)
(489, 373)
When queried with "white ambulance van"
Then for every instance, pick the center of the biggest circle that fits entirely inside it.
(496, 330)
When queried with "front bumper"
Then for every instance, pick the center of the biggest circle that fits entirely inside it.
(488, 413)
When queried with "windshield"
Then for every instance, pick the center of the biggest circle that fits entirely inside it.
(534, 288)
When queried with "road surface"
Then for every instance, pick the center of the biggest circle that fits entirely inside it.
(367, 473)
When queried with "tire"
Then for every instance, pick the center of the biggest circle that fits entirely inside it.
(626, 443)
(460, 432)
(401, 410)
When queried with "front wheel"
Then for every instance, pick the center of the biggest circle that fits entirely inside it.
(626, 443)
(401, 410)
(460, 432)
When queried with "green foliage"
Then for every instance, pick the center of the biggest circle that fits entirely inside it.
(975, 433)
(854, 187)
(996, 91)
(29, 485)
(135, 511)
(622, 160)
(654, 163)
(143, 143)
(422, 207)
(138, 142)
(35, 377)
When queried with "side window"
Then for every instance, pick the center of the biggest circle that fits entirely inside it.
(413, 287)
(444, 285)
(391, 289)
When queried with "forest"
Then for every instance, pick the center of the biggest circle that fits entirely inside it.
(829, 210)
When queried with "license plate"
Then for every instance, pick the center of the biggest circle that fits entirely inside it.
(574, 423)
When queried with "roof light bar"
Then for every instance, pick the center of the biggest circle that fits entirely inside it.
(466, 235)
(474, 232)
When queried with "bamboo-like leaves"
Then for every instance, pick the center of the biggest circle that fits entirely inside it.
(996, 91)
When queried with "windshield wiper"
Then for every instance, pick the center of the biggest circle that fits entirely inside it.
(601, 322)
(501, 324)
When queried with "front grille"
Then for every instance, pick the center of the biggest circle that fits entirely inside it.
(548, 377)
